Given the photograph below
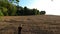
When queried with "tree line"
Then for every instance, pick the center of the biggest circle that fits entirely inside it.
(27, 11)
(9, 9)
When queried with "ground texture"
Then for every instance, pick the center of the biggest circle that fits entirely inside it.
(41, 24)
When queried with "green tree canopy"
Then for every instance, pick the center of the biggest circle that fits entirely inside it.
(42, 12)
(7, 8)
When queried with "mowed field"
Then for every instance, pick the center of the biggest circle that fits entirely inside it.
(40, 24)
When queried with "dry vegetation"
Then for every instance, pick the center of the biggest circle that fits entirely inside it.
(42, 24)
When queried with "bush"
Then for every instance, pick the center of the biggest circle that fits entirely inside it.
(42, 13)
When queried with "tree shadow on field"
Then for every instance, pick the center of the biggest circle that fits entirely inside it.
(38, 30)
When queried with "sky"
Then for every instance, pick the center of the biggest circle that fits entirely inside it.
(51, 7)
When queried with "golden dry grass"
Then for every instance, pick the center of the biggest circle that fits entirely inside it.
(40, 24)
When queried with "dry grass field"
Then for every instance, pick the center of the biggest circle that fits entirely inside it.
(41, 24)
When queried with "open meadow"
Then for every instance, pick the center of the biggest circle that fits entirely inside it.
(40, 24)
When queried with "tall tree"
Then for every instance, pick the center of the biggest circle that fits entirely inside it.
(34, 11)
(38, 13)
(7, 8)
(20, 10)
(25, 10)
